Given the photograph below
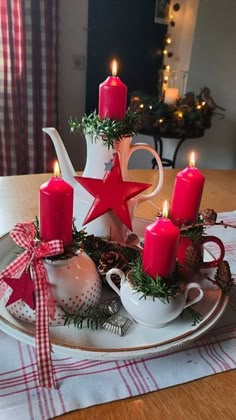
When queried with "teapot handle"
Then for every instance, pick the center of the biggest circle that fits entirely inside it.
(157, 187)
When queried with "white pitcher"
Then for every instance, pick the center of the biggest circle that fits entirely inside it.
(98, 154)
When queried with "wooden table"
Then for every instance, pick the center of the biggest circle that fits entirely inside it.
(209, 398)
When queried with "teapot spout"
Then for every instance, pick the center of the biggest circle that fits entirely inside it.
(66, 166)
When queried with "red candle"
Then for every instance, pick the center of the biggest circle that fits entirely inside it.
(187, 194)
(160, 246)
(56, 209)
(112, 97)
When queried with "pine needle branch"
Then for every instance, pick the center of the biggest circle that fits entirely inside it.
(107, 129)
(93, 317)
(160, 287)
(196, 317)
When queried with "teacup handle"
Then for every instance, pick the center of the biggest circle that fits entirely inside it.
(110, 281)
(143, 146)
(215, 262)
(200, 295)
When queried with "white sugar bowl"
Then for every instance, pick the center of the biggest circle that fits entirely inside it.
(149, 311)
(74, 282)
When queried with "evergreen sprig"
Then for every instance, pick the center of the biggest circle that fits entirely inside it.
(107, 129)
(160, 287)
(94, 246)
(193, 231)
(93, 317)
(196, 317)
(36, 224)
(78, 237)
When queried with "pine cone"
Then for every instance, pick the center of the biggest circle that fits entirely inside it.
(193, 257)
(110, 260)
(209, 216)
(223, 276)
(92, 243)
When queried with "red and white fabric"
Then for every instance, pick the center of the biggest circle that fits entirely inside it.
(28, 84)
(24, 236)
(84, 383)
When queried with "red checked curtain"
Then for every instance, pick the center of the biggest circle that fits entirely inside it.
(28, 84)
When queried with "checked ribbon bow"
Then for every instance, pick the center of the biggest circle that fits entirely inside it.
(23, 235)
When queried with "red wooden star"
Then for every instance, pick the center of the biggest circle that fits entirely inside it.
(22, 288)
(111, 193)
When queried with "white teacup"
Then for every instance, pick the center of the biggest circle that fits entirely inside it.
(151, 312)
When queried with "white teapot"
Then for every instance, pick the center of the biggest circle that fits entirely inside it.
(108, 225)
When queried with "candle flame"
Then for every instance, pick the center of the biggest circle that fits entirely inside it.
(56, 169)
(192, 160)
(114, 68)
(165, 209)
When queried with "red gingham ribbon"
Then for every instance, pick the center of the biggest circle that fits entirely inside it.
(24, 235)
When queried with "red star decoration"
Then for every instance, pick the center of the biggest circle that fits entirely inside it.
(22, 288)
(111, 193)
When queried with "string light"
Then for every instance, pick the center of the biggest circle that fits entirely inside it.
(180, 114)
(168, 39)
(161, 120)
(199, 106)
(141, 106)
(150, 106)
(165, 51)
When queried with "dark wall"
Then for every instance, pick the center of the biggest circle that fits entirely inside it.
(123, 29)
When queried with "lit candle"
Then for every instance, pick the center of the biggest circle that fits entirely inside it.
(56, 209)
(171, 96)
(112, 97)
(187, 194)
(160, 246)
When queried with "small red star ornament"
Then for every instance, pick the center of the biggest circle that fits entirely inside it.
(22, 288)
(111, 193)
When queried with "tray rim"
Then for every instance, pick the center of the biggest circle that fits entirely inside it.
(103, 353)
(78, 350)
